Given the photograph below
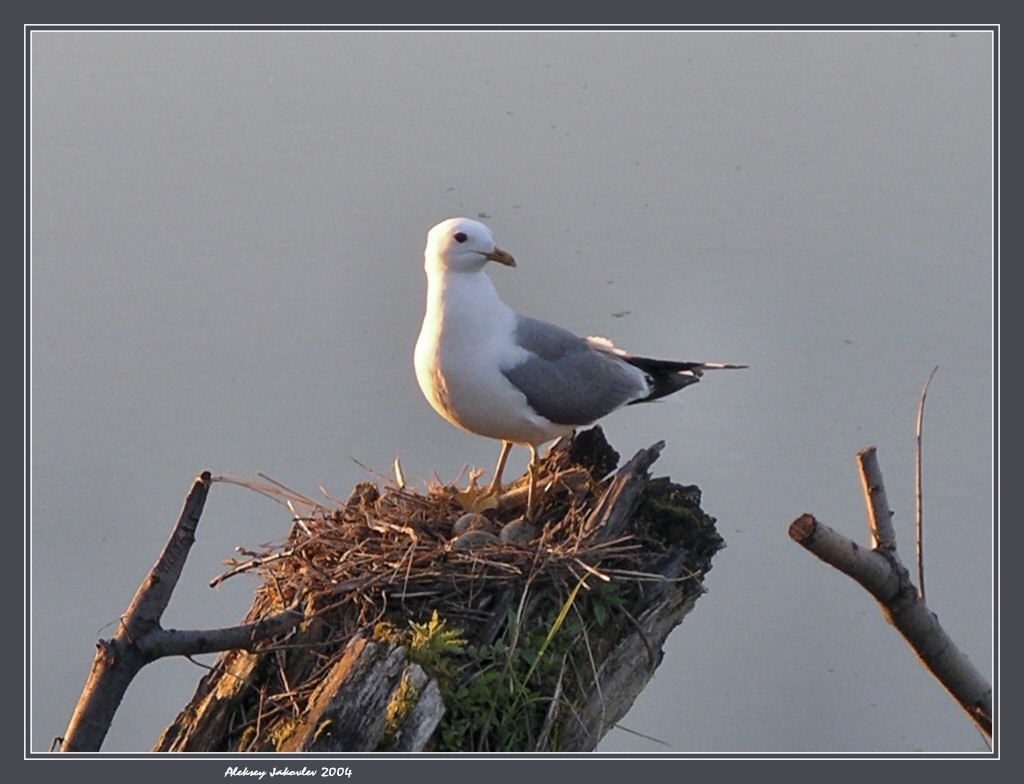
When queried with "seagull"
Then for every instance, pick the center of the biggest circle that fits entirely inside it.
(496, 373)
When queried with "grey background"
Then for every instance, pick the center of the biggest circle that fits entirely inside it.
(226, 274)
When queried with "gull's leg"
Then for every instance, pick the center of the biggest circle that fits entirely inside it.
(495, 487)
(532, 469)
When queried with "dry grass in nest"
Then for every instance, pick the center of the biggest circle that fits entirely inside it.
(388, 551)
(388, 555)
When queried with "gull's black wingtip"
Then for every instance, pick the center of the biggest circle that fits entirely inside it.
(721, 366)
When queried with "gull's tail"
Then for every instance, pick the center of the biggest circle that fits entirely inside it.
(664, 376)
(667, 376)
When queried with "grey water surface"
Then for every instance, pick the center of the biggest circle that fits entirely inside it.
(227, 234)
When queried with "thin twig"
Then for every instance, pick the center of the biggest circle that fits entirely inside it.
(278, 494)
(641, 735)
(917, 482)
(247, 565)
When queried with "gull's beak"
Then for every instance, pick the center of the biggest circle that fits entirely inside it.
(501, 257)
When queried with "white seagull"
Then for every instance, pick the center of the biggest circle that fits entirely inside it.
(496, 373)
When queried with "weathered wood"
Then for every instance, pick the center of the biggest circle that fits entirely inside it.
(212, 709)
(617, 507)
(371, 697)
(630, 664)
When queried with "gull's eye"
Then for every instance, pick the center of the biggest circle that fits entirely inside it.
(460, 237)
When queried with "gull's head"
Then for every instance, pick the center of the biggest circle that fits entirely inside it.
(463, 245)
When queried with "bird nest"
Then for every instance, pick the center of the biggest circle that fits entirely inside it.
(385, 562)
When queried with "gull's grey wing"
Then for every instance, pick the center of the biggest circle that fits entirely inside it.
(566, 380)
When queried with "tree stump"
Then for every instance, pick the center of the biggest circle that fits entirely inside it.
(508, 636)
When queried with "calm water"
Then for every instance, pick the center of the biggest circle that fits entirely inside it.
(226, 275)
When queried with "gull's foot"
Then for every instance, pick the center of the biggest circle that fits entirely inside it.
(477, 499)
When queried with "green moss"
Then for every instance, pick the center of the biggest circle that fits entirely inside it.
(432, 641)
(402, 701)
(248, 736)
(498, 696)
(282, 732)
(671, 514)
(387, 632)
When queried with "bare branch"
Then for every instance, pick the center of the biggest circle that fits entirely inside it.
(884, 576)
(174, 642)
(868, 567)
(140, 639)
(879, 514)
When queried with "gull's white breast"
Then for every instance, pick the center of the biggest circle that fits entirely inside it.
(467, 338)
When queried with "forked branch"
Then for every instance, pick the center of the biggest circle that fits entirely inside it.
(140, 639)
(879, 570)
